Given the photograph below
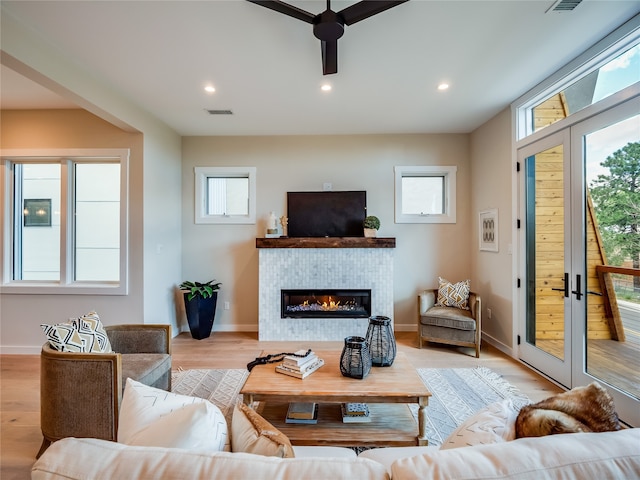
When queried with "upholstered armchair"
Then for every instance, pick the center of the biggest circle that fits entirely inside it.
(80, 393)
(449, 325)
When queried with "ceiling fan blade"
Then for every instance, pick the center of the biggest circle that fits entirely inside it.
(286, 9)
(329, 57)
(365, 9)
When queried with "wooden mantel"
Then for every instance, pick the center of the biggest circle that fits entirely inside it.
(326, 242)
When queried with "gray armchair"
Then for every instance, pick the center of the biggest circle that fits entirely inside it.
(80, 393)
(449, 325)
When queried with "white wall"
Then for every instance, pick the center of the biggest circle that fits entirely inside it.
(154, 192)
(302, 163)
(492, 172)
(162, 221)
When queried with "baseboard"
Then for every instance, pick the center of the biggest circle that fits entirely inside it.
(243, 327)
(22, 350)
(246, 327)
(404, 327)
(497, 344)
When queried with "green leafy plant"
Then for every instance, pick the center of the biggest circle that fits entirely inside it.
(197, 289)
(372, 222)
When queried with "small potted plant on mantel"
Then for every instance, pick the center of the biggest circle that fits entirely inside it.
(371, 225)
(200, 301)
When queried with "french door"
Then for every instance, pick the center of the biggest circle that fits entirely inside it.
(545, 335)
(578, 324)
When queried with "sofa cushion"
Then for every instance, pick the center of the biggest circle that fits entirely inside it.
(387, 455)
(492, 424)
(307, 451)
(449, 318)
(250, 433)
(571, 456)
(453, 294)
(89, 458)
(153, 417)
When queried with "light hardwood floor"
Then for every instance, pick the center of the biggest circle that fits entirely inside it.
(20, 380)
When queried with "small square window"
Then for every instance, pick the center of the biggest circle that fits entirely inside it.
(225, 195)
(425, 194)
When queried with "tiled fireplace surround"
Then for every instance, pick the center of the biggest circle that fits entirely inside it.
(322, 264)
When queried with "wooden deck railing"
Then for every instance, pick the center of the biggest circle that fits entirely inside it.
(611, 308)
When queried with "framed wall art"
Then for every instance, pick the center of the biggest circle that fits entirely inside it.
(37, 212)
(488, 225)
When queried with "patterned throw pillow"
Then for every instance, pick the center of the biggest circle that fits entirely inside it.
(93, 333)
(84, 334)
(453, 294)
(64, 337)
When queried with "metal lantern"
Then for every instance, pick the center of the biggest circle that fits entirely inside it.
(381, 341)
(355, 361)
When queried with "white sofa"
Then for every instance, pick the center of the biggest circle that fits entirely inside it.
(580, 456)
(164, 436)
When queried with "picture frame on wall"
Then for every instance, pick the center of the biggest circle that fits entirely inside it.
(488, 230)
(37, 212)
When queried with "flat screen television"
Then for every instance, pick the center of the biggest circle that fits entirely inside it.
(326, 214)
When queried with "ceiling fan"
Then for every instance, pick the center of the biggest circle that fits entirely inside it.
(328, 26)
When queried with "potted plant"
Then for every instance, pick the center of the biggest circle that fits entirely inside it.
(371, 225)
(200, 301)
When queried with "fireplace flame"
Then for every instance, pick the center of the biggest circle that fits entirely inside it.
(332, 305)
(328, 305)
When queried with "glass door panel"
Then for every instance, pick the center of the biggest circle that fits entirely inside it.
(546, 239)
(612, 223)
(545, 244)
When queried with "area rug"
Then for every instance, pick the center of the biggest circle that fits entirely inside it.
(220, 387)
(457, 393)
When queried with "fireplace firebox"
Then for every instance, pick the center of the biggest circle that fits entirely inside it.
(325, 303)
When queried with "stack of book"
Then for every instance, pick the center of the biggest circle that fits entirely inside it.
(302, 412)
(355, 413)
(300, 367)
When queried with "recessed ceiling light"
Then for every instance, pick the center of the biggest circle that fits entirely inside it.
(209, 89)
(443, 86)
(326, 87)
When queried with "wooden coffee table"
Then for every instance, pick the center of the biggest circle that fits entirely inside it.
(387, 390)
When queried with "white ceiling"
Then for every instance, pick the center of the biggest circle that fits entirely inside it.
(266, 67)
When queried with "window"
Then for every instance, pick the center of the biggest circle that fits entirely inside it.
(425, 194)
(64, 228)
(225, 195)
(598, 78)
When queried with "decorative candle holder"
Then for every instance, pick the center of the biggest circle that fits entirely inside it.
(355, 361)
(381, 341)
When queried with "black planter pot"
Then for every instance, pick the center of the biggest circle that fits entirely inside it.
(200, 314)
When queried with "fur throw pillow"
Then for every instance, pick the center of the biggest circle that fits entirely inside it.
(582, 409)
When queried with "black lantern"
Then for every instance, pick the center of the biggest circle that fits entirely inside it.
(355, 361)
(381, 341)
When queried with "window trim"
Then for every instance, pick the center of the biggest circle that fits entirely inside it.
(201, 174)
(448, 172)
(66, 284)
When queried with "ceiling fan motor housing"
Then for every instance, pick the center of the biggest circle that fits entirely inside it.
(328, 26)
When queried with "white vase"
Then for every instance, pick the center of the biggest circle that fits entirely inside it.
(370, 232)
